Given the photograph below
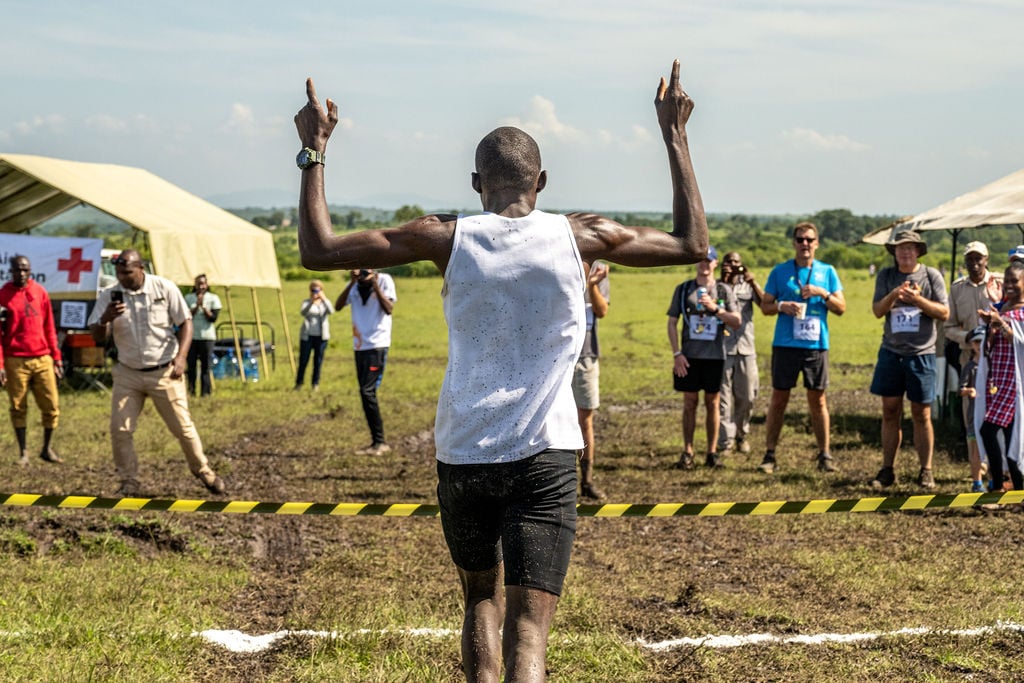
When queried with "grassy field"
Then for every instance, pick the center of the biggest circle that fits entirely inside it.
(116, 596)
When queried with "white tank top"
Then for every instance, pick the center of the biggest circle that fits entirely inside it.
(513, 300)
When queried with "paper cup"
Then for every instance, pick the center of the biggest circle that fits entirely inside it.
(801, 311)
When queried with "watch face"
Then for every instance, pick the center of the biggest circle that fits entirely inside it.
(307, 157)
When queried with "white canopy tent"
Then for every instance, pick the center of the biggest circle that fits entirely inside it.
(186, 235)
(1000, 203)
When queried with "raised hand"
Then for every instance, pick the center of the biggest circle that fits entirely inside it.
(313, 124)
(673, 105)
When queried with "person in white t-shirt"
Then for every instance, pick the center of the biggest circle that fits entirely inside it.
(371, 298)
(506, 431)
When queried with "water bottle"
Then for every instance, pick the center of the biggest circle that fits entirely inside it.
(219, 367)
(232, 365)
(252, 367)
(701, 291)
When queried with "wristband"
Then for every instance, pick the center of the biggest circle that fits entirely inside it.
(676, 353)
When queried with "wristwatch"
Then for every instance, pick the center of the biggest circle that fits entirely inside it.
(308, 156)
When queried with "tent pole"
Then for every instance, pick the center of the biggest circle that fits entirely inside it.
(287, 331)
(259, 330)
(952, 260)
(234, 334)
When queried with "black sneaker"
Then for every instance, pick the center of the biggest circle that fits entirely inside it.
(884, 479)
(825, 463)
(713, 460)
(768, 464)
(685, 461)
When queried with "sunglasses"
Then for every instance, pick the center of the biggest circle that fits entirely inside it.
(805, 240)
(125, 262)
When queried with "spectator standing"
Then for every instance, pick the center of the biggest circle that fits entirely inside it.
(315, 332)
(740, 382)
(30, 359)
(587, 373)
(204, 307)
(979, 289)
(141, 313)
(1000, 382)
(912, 299)
(371, 297)
(1017, 253)
(706, 307)
(801, 292)
(506, 428)
(969, 394)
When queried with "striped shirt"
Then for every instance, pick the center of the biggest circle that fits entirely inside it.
(1001, 400)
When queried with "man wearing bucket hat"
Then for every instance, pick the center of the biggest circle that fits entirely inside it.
(911, 297)
(979, 289)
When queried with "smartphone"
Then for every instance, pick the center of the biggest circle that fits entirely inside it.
(117, 296)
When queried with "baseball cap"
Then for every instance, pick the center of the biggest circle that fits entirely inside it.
(976, 334)
(712, 254)
(976, 248)
(1017, 253)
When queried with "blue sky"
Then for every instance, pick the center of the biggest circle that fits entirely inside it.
(877, 106)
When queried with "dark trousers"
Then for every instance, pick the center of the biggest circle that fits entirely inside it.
(200, 354)
(989, 434)
(315, 346)
(370, 372)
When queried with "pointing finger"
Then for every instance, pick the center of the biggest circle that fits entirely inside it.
(311, 93)
(674, 81)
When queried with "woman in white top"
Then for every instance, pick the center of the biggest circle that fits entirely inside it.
(315, 332)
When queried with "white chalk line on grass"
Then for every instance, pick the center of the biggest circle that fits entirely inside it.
(237, 641)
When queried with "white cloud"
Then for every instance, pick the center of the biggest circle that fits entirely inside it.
(113, 125)
(241, 120)
(542, 122)
(805, 138)
(51, 123)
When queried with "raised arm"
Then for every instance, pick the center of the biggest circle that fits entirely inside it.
(427, 238)
(600, 237)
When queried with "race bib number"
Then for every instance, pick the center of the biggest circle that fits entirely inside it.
(703, 328)
(906, 320)
(808, 329)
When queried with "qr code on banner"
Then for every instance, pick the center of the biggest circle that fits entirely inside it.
(72, 314)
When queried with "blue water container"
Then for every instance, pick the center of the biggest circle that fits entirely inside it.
(252, 367)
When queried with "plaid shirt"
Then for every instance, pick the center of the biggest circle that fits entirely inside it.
(1001, 393)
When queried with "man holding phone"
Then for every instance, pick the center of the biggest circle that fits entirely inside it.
(140, 312)
(372, 297)
(739, 378)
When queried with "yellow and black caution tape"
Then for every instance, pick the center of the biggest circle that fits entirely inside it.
(778, 507)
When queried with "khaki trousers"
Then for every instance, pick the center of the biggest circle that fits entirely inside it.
(35, 374)
(170, 398)
(736, 400)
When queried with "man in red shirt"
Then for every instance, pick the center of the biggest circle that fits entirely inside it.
(30, 358)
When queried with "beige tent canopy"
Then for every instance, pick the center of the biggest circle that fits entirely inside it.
(186, 234)
(1000, 203)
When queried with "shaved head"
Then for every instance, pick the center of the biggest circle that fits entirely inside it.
(508, 159)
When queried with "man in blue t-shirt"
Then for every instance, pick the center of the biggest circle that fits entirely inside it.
(801, 292)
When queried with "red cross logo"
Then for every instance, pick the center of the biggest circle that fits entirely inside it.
(75, 265)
